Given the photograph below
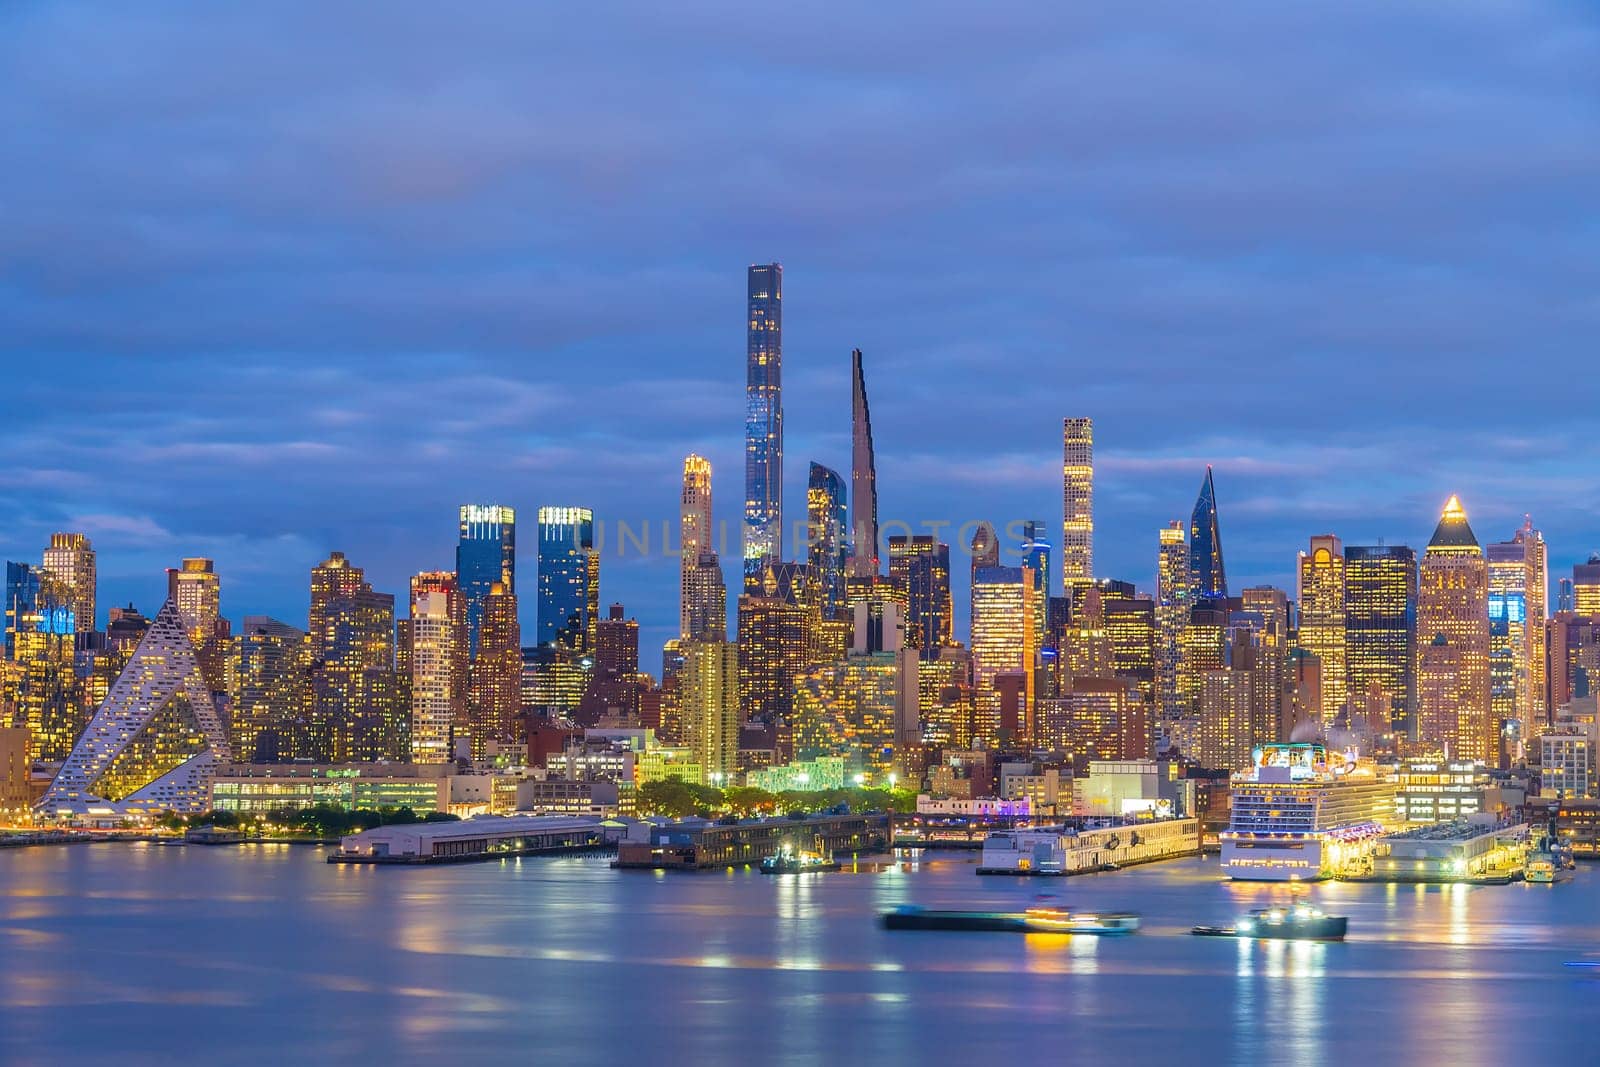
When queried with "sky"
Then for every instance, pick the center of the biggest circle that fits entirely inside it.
(282, 279)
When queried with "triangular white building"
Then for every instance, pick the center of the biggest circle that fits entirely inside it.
(153, 745)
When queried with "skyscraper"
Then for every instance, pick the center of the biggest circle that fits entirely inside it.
(1453, 694)
(1515, 571)
(197, 591)
(331, 579)
(863, 478)
(694, 541)
(486, 555)
(356, 700)
(271, 688)
(1036, 553)
(1206, 574)
(1322, 619)
(1006, 602)
(69, 563)
(569, 588)
(920, 567)
(1077, 504)
(494, 698)
(1586, 587)
(1172, 611)
(22, 594)
(777, 639)
(1380, 629)
(763, 423)
(1538, 598)
(828, 553)
(432, 678)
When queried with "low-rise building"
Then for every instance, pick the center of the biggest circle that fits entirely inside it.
(1475, 847)
(697, 843)
(557, 796)
(261, 788)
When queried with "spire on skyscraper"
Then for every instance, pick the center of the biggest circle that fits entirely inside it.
(1453, 533)
(1206, 573)
(863, 478)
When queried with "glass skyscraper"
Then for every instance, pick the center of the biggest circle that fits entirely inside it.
(485, 554)
(829, 548)
(22, 594)
(763, 424)
(1380, 625)
(1206, 573)
(569, 588)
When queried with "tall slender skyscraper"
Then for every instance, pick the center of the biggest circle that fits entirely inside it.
(694, 541)
(1538, 604)
(569, 589)
(1035, 552)
(1380, 629)
(1172, 611)
(828, 554)
(763, 424)
(486, 555)
(1453, 692)
(1077, 504)
(495, 679)
(1322, 632)
(863, 478)
(432, 678)
(69, 564)
(1206, 574)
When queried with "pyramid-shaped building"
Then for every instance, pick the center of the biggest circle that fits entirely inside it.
(155, 741)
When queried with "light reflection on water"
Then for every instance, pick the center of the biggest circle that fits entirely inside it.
(295, 958)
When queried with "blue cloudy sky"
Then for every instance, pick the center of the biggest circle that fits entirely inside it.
(279, 279)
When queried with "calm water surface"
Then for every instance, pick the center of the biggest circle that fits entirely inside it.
(266, 954)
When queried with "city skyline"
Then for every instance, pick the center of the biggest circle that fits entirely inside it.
(1134, 266)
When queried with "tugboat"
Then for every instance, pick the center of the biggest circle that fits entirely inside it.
(1296, 922)
(791, 862)
(1038, 920)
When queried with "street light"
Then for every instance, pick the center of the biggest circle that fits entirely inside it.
(892, 779)
(861, 780)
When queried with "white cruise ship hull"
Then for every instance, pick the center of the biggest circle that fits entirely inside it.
(1247, 858)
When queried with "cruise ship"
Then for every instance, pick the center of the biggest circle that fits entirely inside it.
(1303, 813)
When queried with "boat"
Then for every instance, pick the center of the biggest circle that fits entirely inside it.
(1040, 920)
(787, 862)
(1302, 813)
(1295, 922)
(1550, 859)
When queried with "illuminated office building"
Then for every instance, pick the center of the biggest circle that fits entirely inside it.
(828, 547)
(494, 698)
(710, 699)
(763, 423)
(920, 567)
(22, 595)
(1035, 553)
(433, 638)
(43, 686)
(1130, 625)
(1202, 647)
(1006, 602)
(864, 558)
(1077, 504)
(1538, 605)
(1172, 611)
(69, 563)
(1322, 618)
(271, 687)
(197, 590)
(1515, 572)
(1453, 694)
(1586, 587)
(569, 578)
(777, 639)
(155, 742)
(1380, 624)
(1207, 578)
(486, 555)
(702, 596)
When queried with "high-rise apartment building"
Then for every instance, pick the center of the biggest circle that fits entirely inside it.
(433, 637)
(69, 564)
(569, 578)
(695, 546)
(197, 591)
(486, 556)
(1516, 637)
(709, 703)
(1006, 602)
(494, 699)
(777, 641)
(1586, 587)
(1322, 619)
(271, 688)
(763, 422)
(1453, 691)
(1380, 620)
(1077, 504)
